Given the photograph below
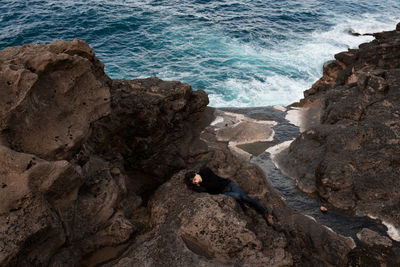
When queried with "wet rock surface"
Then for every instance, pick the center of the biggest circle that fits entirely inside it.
(350, 159)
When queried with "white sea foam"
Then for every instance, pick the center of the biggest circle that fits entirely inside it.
(256, 75)
(301, 59)
(276, 89)
(392, 231)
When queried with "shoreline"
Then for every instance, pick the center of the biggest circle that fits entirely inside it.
(102, 163)
(298, 117)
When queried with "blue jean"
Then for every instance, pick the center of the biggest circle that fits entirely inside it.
(233, 190)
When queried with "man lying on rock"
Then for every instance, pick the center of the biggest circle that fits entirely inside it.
(207, 181)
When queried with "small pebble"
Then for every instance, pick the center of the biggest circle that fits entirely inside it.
(323, 209)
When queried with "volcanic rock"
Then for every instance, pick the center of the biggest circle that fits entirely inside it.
(351, 157)
(371, 238)
(90, 163)
(49, 96)
(80, 153)
(214, 230)
(378, 250)
(35, 201)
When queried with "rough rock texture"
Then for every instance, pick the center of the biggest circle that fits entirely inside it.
(86, 163)
(146, 132)
(49, 96)
(352, 158)
(377, 250)
(188, 228)
(79, 152)
(371, 238)
(203, 230)
(35, 196)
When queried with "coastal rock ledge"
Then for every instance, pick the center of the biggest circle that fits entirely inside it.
(91, 173)
(351, 156)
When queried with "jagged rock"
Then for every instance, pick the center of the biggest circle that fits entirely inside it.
(49, 96)
(372, 238)
(97, 208)
(148, 130)
(35, 199)
(117, 144)
(378, 250)
(351, 157)
(131, 152)
(122, 138)
(204, 230)
(214, 230)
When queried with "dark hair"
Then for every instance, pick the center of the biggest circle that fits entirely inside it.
(189, 178)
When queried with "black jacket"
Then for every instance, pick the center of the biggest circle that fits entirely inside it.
(211, 183)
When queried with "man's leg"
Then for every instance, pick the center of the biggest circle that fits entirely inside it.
(235, 195)
(241, 196)
(233, 190)
(254, 204)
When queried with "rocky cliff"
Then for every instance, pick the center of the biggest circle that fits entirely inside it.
(80, 152)
(350, 158)
(88, 163)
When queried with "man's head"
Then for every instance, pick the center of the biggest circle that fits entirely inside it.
(192, 178)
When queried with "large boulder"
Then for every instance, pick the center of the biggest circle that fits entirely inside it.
(36, 199)
(49, 96)
(80, 153)
(204, 230)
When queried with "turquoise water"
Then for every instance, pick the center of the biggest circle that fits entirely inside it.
(243, 53)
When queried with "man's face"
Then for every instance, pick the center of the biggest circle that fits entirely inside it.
(197, 179)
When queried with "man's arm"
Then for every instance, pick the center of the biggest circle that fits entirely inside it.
(199, 189)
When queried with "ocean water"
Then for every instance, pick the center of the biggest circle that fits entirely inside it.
(242, 53)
